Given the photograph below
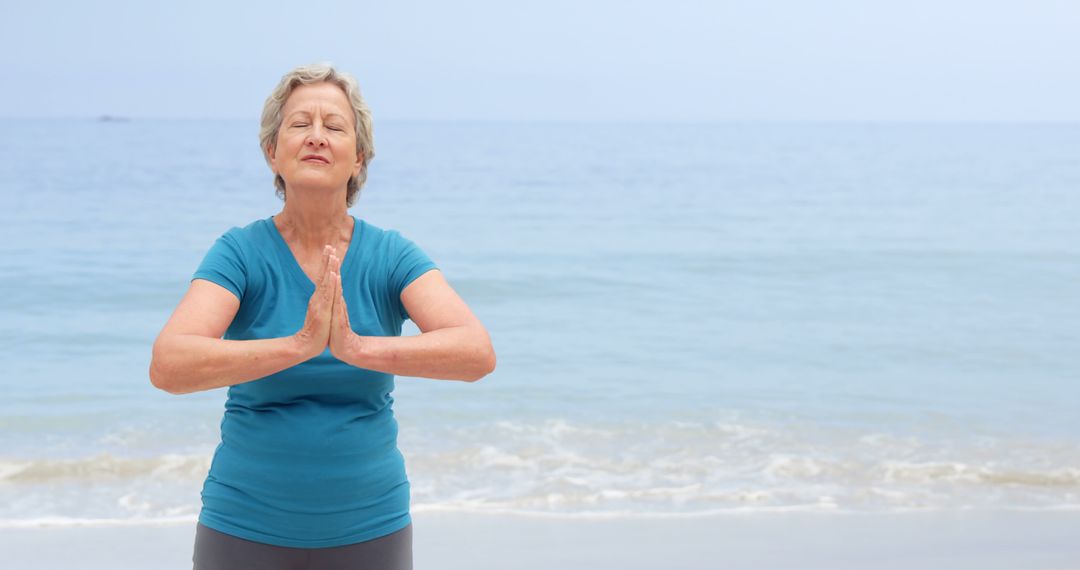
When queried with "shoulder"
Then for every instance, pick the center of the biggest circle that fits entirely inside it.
(377, 237)
(245, 244)
(371, 231)
(252, 232)
(252, 235)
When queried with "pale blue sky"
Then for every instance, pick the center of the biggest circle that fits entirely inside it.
(920, 60)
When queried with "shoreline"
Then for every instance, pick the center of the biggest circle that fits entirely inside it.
(456, 540)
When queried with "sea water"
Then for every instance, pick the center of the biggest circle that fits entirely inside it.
(688, 318)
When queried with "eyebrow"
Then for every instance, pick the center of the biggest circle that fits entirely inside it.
(338, 115)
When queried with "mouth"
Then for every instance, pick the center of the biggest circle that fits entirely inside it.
(314, 158)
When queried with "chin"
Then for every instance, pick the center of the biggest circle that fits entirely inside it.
(319, 183)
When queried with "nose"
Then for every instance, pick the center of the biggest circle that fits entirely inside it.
(316, 136)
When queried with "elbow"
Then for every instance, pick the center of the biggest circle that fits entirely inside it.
(485, 363)
(159, 376)
(159, 380)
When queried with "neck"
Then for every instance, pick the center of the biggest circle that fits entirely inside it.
(313, 223)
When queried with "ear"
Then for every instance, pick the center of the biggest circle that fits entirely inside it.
(271, 158)
(359, 164)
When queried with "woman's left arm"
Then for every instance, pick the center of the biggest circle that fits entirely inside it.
(452, 344)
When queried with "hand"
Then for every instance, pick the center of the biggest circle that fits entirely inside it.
(314, 336)
(342, 338)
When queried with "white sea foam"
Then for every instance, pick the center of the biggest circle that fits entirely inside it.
(562, 466)
(63, 522)
(101, 467)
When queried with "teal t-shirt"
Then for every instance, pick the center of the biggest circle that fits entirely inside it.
(308, 456)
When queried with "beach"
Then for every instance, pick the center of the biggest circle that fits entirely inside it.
(451, 541)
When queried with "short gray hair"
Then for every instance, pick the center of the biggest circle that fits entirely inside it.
(306, 75)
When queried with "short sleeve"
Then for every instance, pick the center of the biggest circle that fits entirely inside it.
(224, 265)
(409, 263)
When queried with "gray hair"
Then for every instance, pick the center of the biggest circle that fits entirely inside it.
(306, 75)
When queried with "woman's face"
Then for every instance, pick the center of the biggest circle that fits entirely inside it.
(316, 143)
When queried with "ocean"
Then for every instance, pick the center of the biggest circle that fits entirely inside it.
(689, 319)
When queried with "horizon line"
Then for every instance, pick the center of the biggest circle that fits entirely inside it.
(108, 117)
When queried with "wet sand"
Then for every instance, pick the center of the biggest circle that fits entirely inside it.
(449, 541)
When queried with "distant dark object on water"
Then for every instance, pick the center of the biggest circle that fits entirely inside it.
(112, 119)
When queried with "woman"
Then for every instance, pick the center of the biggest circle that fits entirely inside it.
(310, 303)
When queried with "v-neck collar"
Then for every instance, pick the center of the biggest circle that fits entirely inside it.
(294, 266)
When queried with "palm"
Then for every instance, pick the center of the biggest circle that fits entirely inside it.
(341, 333)
(314, 336)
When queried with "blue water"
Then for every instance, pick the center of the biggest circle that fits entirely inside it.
(688, 318)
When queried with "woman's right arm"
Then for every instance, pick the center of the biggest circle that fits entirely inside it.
(189, 354)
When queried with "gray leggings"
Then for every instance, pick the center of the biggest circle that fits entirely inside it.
(219, 551)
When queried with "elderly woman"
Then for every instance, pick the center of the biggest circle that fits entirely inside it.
(310, 303)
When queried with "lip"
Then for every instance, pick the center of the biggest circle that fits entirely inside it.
(315, 158)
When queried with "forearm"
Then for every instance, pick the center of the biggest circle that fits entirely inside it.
(453, 353)
(184, 363)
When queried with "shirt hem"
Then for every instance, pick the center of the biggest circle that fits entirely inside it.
(259, 537)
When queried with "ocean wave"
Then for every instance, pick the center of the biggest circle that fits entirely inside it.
(561, 466)
(479, 509)
(103, 466)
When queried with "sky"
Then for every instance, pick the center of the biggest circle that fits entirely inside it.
(578, 60)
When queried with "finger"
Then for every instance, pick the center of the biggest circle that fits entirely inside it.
(332, 288)
(344, 310)
(328, 253)
(328, 276)
(341, 311)
(335, 299)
